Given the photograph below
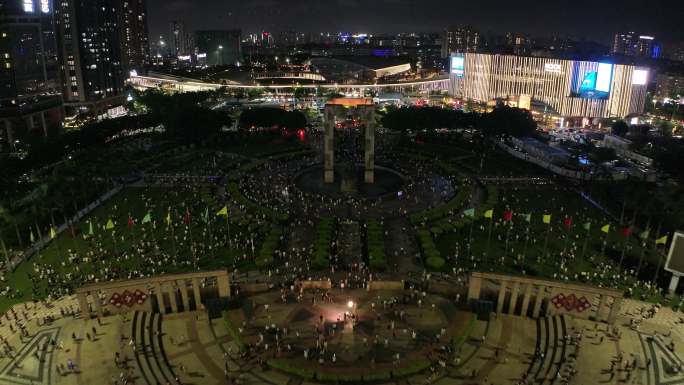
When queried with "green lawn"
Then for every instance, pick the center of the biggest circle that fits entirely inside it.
(132, 201)
(541, 254)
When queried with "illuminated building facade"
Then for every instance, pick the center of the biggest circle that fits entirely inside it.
(30, 92)
(134, 39)
(567, 88)
(90, 52)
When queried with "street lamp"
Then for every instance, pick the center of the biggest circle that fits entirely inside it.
(218, 55)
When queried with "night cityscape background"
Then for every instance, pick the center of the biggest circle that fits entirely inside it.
(294, 192)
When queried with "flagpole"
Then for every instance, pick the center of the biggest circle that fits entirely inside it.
(586, 241)
(644, 245)
(546, 240)
(59, 247)
(508, 233)
(7, 257)
(470, 237)
(624, 242)
(527, 240)
(489, 238)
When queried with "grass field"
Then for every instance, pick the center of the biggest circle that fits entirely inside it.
(549, 244)
(134, 202)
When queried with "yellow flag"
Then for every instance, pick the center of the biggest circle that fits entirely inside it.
(110, 224)
(489, 214)
(605, 228)
(168, 218)
(53, 232)
(547, 218)
(662, 240)
(223, 211)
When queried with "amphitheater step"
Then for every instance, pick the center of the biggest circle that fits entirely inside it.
(150, 356)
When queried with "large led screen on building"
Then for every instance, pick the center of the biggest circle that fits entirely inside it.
(458, 66)
(592, 80)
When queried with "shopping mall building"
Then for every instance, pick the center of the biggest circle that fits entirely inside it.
(565, 90)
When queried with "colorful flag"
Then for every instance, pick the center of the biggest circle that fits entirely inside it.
(605, 228)
(205, 216)
(547, 218)
(186, 217)
(587, 226)
(168, 218)
(469, 213)
(662, 240)
(626, 231)
(31, 237)
(90, 227)
(528, 217)
(644, 234)
(110, 224)
(53, 232)
(567, 222)
(489, 214)
(130, 223)
(508, 215)
(223, 211)
(147, 218)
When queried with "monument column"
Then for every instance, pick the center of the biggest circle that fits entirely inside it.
(160, 297)
(197, 293)
(614, 309)
(328, 145)
(526, 300)
(538, 302)
(97, 303)
(599, 308)
(474, 287)
(83, 304)
(223, 285)
(502, 297)
(172, 296)
(514, 298)
(184, 294)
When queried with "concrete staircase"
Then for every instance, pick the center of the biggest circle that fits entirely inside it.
(155, 368)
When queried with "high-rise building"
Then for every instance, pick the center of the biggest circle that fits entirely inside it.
(221, 47)
(178, 38)
(30, 93)
(459, 40)
(134, 38)
(669, 86)
(90, 52)
(631, 44)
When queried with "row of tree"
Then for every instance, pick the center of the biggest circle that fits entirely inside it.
(503, 120)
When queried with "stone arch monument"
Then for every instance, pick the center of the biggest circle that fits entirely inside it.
(365, 110)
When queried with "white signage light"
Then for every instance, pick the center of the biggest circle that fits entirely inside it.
(552, 67)
(28, 6)
(640, 77)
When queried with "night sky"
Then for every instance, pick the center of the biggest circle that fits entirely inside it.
(592, 19)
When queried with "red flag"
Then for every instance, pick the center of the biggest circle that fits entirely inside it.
(186, 217)
(130, 223)
(567, 222)
(626, 231)
(72, 230)
(508, 215)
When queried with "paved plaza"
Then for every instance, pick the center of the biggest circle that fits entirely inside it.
(390, 330)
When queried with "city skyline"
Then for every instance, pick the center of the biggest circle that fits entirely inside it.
(660, 18)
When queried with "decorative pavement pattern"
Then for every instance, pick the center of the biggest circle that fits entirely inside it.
(32, 363)
(663, 361)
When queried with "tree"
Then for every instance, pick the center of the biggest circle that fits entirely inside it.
(602, 154)
(509, 121)
(268, 117)
(619, 128)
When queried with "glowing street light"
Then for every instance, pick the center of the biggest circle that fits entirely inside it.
(350, 304)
